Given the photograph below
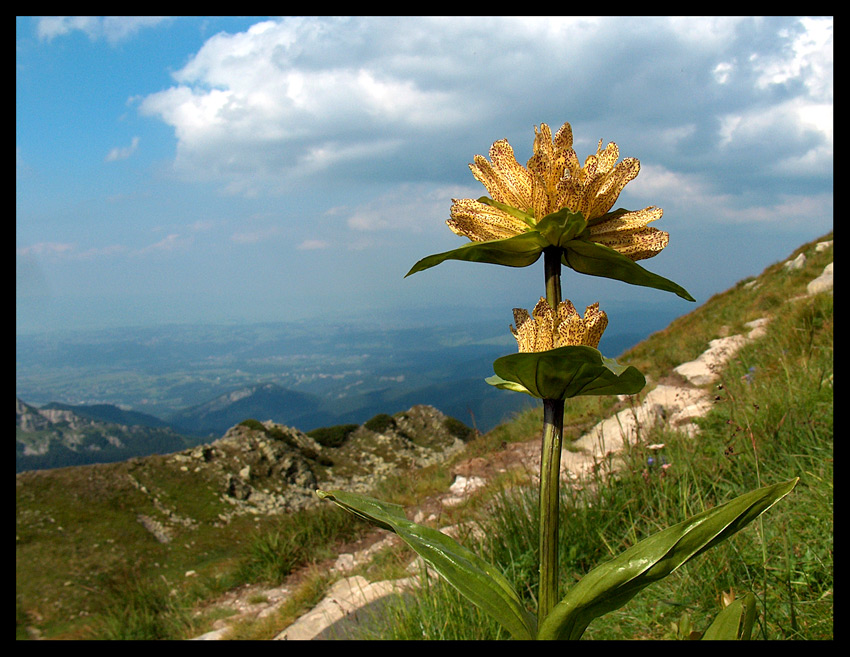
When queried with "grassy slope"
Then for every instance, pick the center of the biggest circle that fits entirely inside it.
(778, 391)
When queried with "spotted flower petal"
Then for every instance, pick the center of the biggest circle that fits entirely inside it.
(481, 222)
(629, 234)
(546, 329)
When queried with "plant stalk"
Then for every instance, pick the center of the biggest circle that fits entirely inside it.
(550, 465)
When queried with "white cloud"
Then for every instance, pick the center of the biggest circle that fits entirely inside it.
(97, 252)
(410, 208)
(722, 72)
(112, 28)
(686, 194)
(784, 124)
(808, 57)
(66, 252)
(313, 245)
(45, 248)
(168, 243)
(786, 210)
(123, 153)
(254, 236)
(299, 101)
(247, 109)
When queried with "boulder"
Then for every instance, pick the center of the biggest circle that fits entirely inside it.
(822, 283)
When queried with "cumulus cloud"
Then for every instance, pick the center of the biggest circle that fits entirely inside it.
(299, 100)
(260, 97)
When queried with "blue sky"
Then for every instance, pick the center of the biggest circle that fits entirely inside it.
(221, 169)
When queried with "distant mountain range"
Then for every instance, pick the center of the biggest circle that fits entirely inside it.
(196, 382)
(265, 401)
(60, 435)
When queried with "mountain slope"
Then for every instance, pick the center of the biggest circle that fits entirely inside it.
(163, 513)
(85, 498)
(60, 435)
(262, 401)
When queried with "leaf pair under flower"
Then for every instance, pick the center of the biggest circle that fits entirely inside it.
(567, 232)
(565, 372)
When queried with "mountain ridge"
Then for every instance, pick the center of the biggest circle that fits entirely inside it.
(62, 435)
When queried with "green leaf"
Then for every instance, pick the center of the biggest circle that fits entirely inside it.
(561, 227)
(594, 259)
(565, 372)
(611, 585)
(476, 579)
(518, 251)
(564, 229)
(735, 622)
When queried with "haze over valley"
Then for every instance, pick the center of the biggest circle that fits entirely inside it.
(203, 379)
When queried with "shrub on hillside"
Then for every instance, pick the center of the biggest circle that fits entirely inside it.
(332, 436)
(380, 423)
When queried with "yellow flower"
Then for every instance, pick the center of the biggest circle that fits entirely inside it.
(554, 180)
(546, 329)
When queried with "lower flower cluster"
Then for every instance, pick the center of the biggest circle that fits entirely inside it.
(546, 328)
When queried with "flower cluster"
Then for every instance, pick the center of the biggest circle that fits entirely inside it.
(551, 181)
(548, 329)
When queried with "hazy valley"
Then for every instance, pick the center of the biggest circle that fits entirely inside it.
(155, 390)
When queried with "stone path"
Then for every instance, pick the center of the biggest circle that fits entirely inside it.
(675, 404)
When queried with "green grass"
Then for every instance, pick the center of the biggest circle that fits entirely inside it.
(294, 541)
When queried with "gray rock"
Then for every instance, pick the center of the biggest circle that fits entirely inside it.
(797, 263)
(822, 283)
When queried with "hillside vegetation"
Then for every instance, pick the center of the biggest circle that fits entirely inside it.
(771, 421)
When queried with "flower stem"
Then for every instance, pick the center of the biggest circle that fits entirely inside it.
(550, 467)
(552, 271)
(550, 464)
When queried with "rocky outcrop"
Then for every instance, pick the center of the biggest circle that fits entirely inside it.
(268, 468)
(51, 437)
(29, 418)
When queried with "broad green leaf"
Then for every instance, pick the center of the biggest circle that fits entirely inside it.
(476, 579)
(611, 585)
(561, 227)
(735, 622)
(518, 251)
(565, 372)
(594, 259)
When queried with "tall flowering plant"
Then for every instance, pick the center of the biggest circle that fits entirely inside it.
(555, 207)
